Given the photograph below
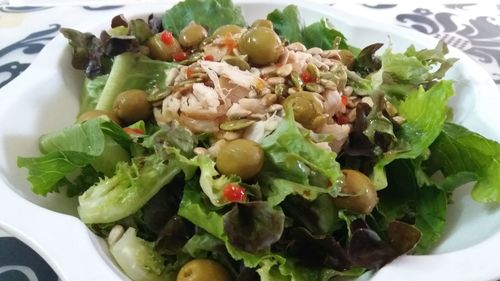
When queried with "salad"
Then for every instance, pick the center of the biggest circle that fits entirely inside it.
(209, 149)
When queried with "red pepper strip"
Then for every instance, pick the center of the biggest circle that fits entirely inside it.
(235, 193)
(307, 77)
(209, 57)
(167, 38)
(180, 56)
(342, 119)
(189, 73)
(133, 131)
(344, 100)
(229, 42)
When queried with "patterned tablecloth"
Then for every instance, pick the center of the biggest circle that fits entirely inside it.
(24, 31)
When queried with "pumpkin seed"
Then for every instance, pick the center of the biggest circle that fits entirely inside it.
(159, 95)
(238, 61)
(280, 89)
(314, 87)
(297, 82)
(233, 125)
(313, 70)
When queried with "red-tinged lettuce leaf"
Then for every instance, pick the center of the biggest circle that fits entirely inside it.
(368, 250)
(174, 235)
(366, 61)
(253, 227)
(316, 251)
(319, 217)
(93, 55)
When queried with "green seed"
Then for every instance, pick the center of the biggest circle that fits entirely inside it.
(234, 125)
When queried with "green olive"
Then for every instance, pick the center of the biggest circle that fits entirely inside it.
(162, 51)
(240, 157)
(203, 270)
(347, 58)
(192, 35)
(262, 45)
(263, 23)
(132, 106)
(362, 196)
(307, 110)
(96, 113)
(227, 29)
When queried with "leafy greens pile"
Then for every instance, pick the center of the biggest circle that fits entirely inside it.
(151, 182)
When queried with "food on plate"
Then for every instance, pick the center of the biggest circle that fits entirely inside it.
(208, 148)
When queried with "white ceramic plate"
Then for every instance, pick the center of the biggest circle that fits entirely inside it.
(45, 98)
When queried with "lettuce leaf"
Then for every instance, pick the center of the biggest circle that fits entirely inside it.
(288, 24)
(425, 113)
(401, 73)
(133, 71)
(405, 198)
(322, 35)
(254, 226)
(463, 156)
(270, 266)
(291, 155)
(211, 14)
(91, 91)
(72, 148)
(211, 182)
(134, 184)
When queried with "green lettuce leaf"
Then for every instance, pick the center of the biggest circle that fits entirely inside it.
(138, 258)
(291, 155)
(123, 194)
(464, 156)
(404, 198)
(401, 73)
(430, 216)
(133, 71)
(321, 34)
(74, 147)
(288, 24)
(211, 14)
(425, 113)
(211, 182)
(91, 91)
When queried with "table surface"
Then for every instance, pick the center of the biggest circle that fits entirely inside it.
(25, 30)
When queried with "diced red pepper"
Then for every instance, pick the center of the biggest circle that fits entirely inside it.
(189, 73)
(344, 100)
(209, 57)
(307, 77)
(342, 119)
(180, 56)
(167, 38)
(235, 193)
(133, 131)
(229, 42)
